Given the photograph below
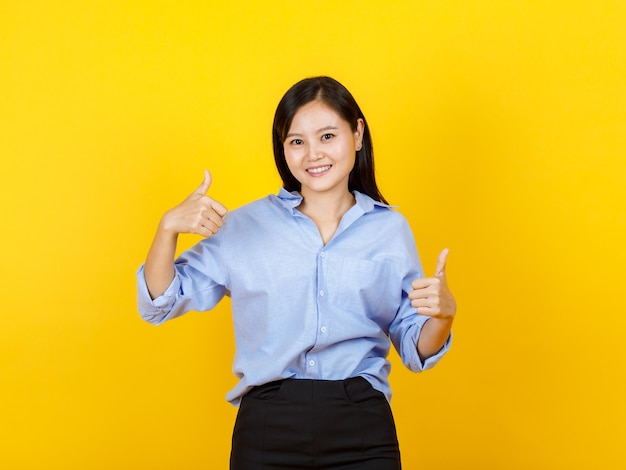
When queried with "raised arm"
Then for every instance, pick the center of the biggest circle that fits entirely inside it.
(198, 214)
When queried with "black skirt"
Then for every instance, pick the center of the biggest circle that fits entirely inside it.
(315, 424)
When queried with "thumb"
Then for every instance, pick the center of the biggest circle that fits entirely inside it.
(206, 184)
(440, 270)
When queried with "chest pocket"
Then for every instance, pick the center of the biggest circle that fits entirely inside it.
(358, 285)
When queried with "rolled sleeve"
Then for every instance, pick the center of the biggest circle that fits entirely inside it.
(417, 365)
(405, 334)
(157, 310)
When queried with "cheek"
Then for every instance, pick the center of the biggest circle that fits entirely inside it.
(291, 158)
(350, 155)
(348, 149)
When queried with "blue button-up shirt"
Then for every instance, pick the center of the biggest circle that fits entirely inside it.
(302, 308)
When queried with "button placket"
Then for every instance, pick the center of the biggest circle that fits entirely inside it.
(312, 364)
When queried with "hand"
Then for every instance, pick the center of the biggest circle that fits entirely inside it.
(197, 214)
(431, 296)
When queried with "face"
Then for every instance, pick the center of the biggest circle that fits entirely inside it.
(320, 149)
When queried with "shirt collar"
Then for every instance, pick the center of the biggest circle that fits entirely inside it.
(291, 200)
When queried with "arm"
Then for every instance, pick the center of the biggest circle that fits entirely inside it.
(197, 214)
(432, 297)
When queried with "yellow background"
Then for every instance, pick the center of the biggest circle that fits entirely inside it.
(499, 129)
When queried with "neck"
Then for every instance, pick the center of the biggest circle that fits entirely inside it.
(326, 206)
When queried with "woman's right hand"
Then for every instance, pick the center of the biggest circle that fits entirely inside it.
(199, 213)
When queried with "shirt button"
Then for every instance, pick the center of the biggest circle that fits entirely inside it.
(311, 362)
(322, 293)
(322, 254)
(323, 329)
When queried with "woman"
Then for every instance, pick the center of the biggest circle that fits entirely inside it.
(323, 277)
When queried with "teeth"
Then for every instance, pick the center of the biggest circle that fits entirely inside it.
(319, 169)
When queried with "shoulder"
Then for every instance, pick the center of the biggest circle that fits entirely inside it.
(381, 212)
(275, 205)
(393, 225)
(391, 214)
(251, 209)
(244, 225)
(256, 216)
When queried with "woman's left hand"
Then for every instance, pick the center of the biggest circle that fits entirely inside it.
(431, 295)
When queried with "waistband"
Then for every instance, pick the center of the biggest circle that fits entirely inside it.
(312, 389)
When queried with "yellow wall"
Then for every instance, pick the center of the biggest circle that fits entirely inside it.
(500, 131)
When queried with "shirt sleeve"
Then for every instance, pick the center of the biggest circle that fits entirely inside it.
(406, 327)
(156, 310)
(404, 335)
(199, 284)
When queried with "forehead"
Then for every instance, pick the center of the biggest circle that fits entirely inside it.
(314, 115)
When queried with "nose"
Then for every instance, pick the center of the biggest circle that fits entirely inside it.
(315, 153)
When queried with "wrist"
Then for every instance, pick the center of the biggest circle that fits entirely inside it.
(166, 228)
(444, 322)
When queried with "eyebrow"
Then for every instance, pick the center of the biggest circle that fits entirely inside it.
(319, 131)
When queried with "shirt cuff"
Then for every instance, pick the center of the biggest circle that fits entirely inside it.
(155, 310)
(432, 360)
(417, 365)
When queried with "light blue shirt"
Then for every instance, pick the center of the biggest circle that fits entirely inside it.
(302, 309)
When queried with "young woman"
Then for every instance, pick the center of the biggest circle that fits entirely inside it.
(323, 278)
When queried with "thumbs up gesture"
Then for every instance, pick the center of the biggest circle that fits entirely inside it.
(198, 213)
(431, 296)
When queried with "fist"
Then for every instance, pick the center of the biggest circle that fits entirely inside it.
(198, 213)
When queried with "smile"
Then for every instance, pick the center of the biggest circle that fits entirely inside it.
(319, 169)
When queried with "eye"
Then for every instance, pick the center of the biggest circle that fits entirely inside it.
(296, 142)
(327, 136)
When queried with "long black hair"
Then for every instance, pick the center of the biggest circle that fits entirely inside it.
(335, 95)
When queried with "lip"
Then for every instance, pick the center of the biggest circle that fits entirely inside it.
(318, 170)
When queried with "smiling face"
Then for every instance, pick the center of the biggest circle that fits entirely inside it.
(320, 149)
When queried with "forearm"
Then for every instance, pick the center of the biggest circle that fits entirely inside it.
(435, 332)
(159, 267)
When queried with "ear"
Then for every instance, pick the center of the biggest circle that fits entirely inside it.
(358, 134)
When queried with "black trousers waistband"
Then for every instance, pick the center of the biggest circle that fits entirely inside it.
(307, 389)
